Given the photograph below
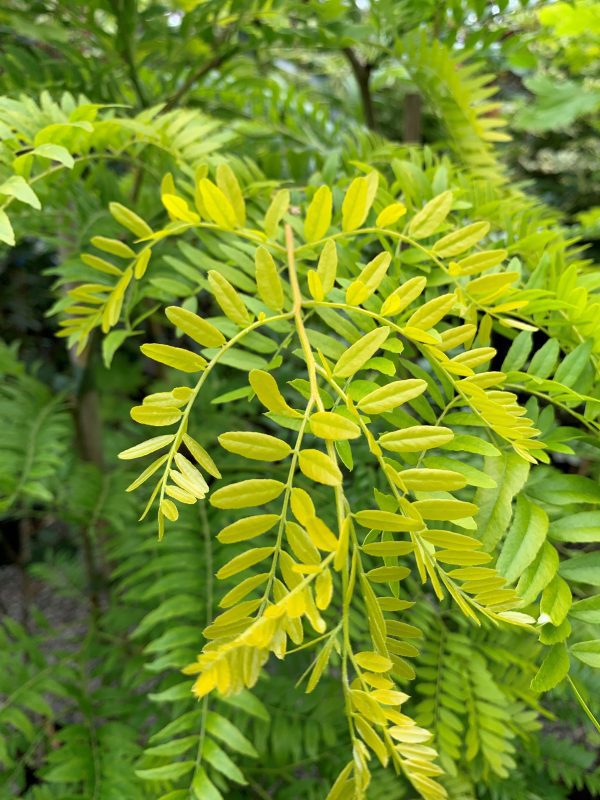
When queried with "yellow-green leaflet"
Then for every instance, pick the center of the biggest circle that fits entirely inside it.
(113, 246)
(356, 204)
(431, 216)
(201, 456)
(455, 336)
(455, 541)
(217, 206)
(403, 296)
(327, 266)
(315, 287)
(150, 470)
(176, 357)
(228, 184)
(115, 302)
(416, 438)
(179, 209)
(475, 357)
(303, 507)
(369, 279)
(432, 480)
(385, 549)
(374, 662)
(300, 543)
(169, 509)
(197, 488)
(243, 561)
(360, 352)
(100, 264)
(357, 293)
(460, 240)
(324, 589)
(275, 212)
(228, 299)
(432, 312)
(375, 271)
(195, 327)
(155, 415)
(390, 215)
(165, 399)
(318, 215)
(319, 467)
(240, 591)
(193, 477)
(320, 663)
(141, 264)
(257, 446)
(167, 184)
(341, 783)
(386, 521)
(146, 447)
(247, 528)
(268, 281)
(245, 494)
(389, 397)
(478, 262)
(130, 220)
(329, 425)
(445, 509)
(321, 536)
(180, 494)
(265, 387)
(489, 284)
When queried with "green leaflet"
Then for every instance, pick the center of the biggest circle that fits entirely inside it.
(583, 527)
(525, 537)
(510, 472)
(553, 669)
(582, 569)
(588, 652)
(560, 489)
(556, 600)
(587, 610)
(538, 574)
(571, 367)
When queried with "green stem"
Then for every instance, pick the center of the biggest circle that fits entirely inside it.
(583, 704)
(315, 397)
(284, 507)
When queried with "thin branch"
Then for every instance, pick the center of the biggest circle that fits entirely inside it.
(362, 74)
(202, 70)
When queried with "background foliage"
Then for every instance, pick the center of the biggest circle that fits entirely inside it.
(116, 120)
